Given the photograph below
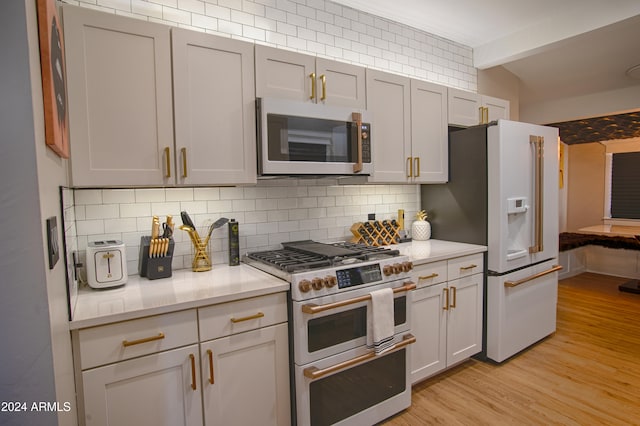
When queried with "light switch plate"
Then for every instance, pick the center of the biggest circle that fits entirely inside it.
(52, 241)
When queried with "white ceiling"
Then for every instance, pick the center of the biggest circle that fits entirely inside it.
(558, 48)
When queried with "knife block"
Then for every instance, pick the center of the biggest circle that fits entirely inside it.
(154, 267)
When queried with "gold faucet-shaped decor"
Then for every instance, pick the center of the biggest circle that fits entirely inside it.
(201, 260)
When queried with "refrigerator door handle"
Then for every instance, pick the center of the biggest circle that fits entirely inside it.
(538, 142)
(553, 269)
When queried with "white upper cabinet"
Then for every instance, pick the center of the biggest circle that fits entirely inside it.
(214, 102)
(125, 87)
(409, 129)
(429, 133)
(120, 106)
(469, 109)
(290, 75)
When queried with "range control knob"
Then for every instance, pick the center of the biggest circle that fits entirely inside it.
(387, 270)
(317, 283)
(397, 268)
(407, 266)
(330, 281)
(304, 286)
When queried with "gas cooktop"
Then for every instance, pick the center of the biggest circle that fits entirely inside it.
(306, 255)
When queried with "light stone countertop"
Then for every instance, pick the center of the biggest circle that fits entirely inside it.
(141, 297)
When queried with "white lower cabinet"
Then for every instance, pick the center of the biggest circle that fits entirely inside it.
(158, 389)
(224, 364)
(446, 314)
(246, 378)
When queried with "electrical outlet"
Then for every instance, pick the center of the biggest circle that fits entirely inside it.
(52, 241)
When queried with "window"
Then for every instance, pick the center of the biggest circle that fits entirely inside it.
(624, 176)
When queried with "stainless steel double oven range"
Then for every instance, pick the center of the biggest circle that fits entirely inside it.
(336, 378)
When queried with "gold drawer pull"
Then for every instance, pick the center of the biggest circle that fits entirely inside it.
(127, 343)
(466, 268)
(251, 317)
(428, 277)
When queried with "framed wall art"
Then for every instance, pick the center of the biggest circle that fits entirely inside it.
(54, 90)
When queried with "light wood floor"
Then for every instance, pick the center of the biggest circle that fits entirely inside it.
(587, 373)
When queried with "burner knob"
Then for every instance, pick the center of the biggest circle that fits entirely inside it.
(397, 268)
(387, 270)
(330, 281)
(407, 266)
(317, 283)
(304, 286)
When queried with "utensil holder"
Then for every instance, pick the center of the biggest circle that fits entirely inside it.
(200, 249)
(154, 266)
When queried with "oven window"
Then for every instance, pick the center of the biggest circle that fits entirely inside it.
(326, 331)
(341, 395)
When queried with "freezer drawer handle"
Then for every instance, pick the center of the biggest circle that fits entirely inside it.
(316, 373)
(553, 269)
(312, 308)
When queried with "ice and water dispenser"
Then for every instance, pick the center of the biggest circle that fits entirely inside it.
(518, 238)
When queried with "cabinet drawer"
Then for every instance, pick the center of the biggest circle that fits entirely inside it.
(243, 315)
(465, 266)
(116, 342)
(430, 273)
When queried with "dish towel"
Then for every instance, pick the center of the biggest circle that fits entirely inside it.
(380, 323)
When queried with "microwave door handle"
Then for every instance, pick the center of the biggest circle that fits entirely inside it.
(356, 117)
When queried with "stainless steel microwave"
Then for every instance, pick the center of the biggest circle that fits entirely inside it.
(296, 138)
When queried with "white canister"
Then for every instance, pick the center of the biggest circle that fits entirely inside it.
(420, 230)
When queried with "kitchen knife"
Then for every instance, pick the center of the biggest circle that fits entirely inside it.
(187, 220)
(155, 228)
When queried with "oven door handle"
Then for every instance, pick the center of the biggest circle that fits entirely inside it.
(312, 308)
(316, 373)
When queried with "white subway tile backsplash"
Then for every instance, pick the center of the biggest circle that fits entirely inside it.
(102, 211)
(163, 209)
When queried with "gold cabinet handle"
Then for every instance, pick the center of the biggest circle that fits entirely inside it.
(409, 167)
(454, 291)
(312, 76)
(183, 151)
(356, 117)
(312, 308)
(446, 299)
(250, 317)
(428, 277)
(127, 343)
(466, 268)
(417, 167)
(553, 269)
(486, 115)
(481, 115)
(193, 371)
(316, 373)
(323, 79)
(167, 156)
(210, 355)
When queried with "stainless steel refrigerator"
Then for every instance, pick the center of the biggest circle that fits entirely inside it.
(503, 193)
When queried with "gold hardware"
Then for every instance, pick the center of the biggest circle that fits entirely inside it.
(453, 305)
(409, 167)
(446, 299)
(184, 162)
(210, 355)
(466, 268)
(312, 308)
(316, 373)
(108, 256)
(312, 76)
(357, 117)
(553, 269)
(486, 115)
(127, 343)
(428, 277)
(323, 78)
(193, 371)
(538, 141)
(481, 115)
(417, 167)
(251, 317)
(167, 155)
